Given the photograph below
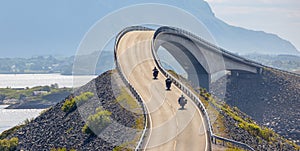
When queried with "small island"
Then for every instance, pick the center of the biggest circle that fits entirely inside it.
(38, 97)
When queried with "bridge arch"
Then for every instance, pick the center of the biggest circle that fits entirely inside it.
(203, 62)
(197, 74)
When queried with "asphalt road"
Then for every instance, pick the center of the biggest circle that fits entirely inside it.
(171, 127)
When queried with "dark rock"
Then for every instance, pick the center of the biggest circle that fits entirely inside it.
(57, 129)
(272, 99)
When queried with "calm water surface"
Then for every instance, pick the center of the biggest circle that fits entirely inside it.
(12, 117)
(31, 80)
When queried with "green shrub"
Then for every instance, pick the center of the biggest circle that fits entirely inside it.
(9, 145)
(72, 103)
(97, 122)
(266, 133)
(61, 149)
(10, 131)
(252, 128)
(234, 149)
(121, 148)
(69, 105)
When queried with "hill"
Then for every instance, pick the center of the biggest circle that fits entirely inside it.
(51, 64)
(59, 128)
(271, 99)
(237, 39)
(265, 99)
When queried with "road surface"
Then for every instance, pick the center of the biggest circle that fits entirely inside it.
(171, 128)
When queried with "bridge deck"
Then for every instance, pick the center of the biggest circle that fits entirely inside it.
(171, 128)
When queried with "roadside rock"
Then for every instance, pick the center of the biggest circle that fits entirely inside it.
(57, 129)
(272, 99)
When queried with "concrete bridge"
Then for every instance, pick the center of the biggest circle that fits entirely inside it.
(203, 62)
(167, 127)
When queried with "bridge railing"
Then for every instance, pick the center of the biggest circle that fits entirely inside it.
(186, 90)
(211, 137)
(131, 88)
(216, 48)
(207, 44)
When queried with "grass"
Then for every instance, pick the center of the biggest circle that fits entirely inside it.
(246, 124)
(61, 149)
(10, 131)
(249, 126)
(212, 106)
(127, 101)
(122, 148)
(97, 122)
(234, 149)
(261, 133)
(9, 144)
(72, 103)
(11, 93)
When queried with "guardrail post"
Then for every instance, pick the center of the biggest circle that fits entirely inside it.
(123, 78)
(213, 138)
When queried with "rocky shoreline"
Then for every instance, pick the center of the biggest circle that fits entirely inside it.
(237, 133)
(57, 129)
(272, 99)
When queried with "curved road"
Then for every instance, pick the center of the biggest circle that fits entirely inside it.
(171, 128)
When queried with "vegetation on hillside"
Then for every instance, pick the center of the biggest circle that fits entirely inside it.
(9, 144)
(71, 103)
(51, 64)
(220, 113)
(244, 122)
(97, 122)
(106, 107)
(129, 103)
(61, 149)
(10, 131)
(39, 93)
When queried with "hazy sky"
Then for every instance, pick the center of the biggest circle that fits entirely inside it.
(281, 17)
(35, 27)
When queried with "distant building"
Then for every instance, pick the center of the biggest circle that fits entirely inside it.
(11, 101)
(36, 93)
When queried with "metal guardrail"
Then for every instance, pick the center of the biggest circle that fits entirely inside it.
(131, 88)
(216, 48)
(283, 71)
(213, 47)
(188, 92)
(211, 137)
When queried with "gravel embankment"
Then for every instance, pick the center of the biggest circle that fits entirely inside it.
(272, 99)
(56, 129)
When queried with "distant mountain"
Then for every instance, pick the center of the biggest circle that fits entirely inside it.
(56, 28)
(50, 64)
(284, 62)
(236, 39)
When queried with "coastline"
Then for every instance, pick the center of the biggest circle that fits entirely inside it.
(12, 117)
(32, 80)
